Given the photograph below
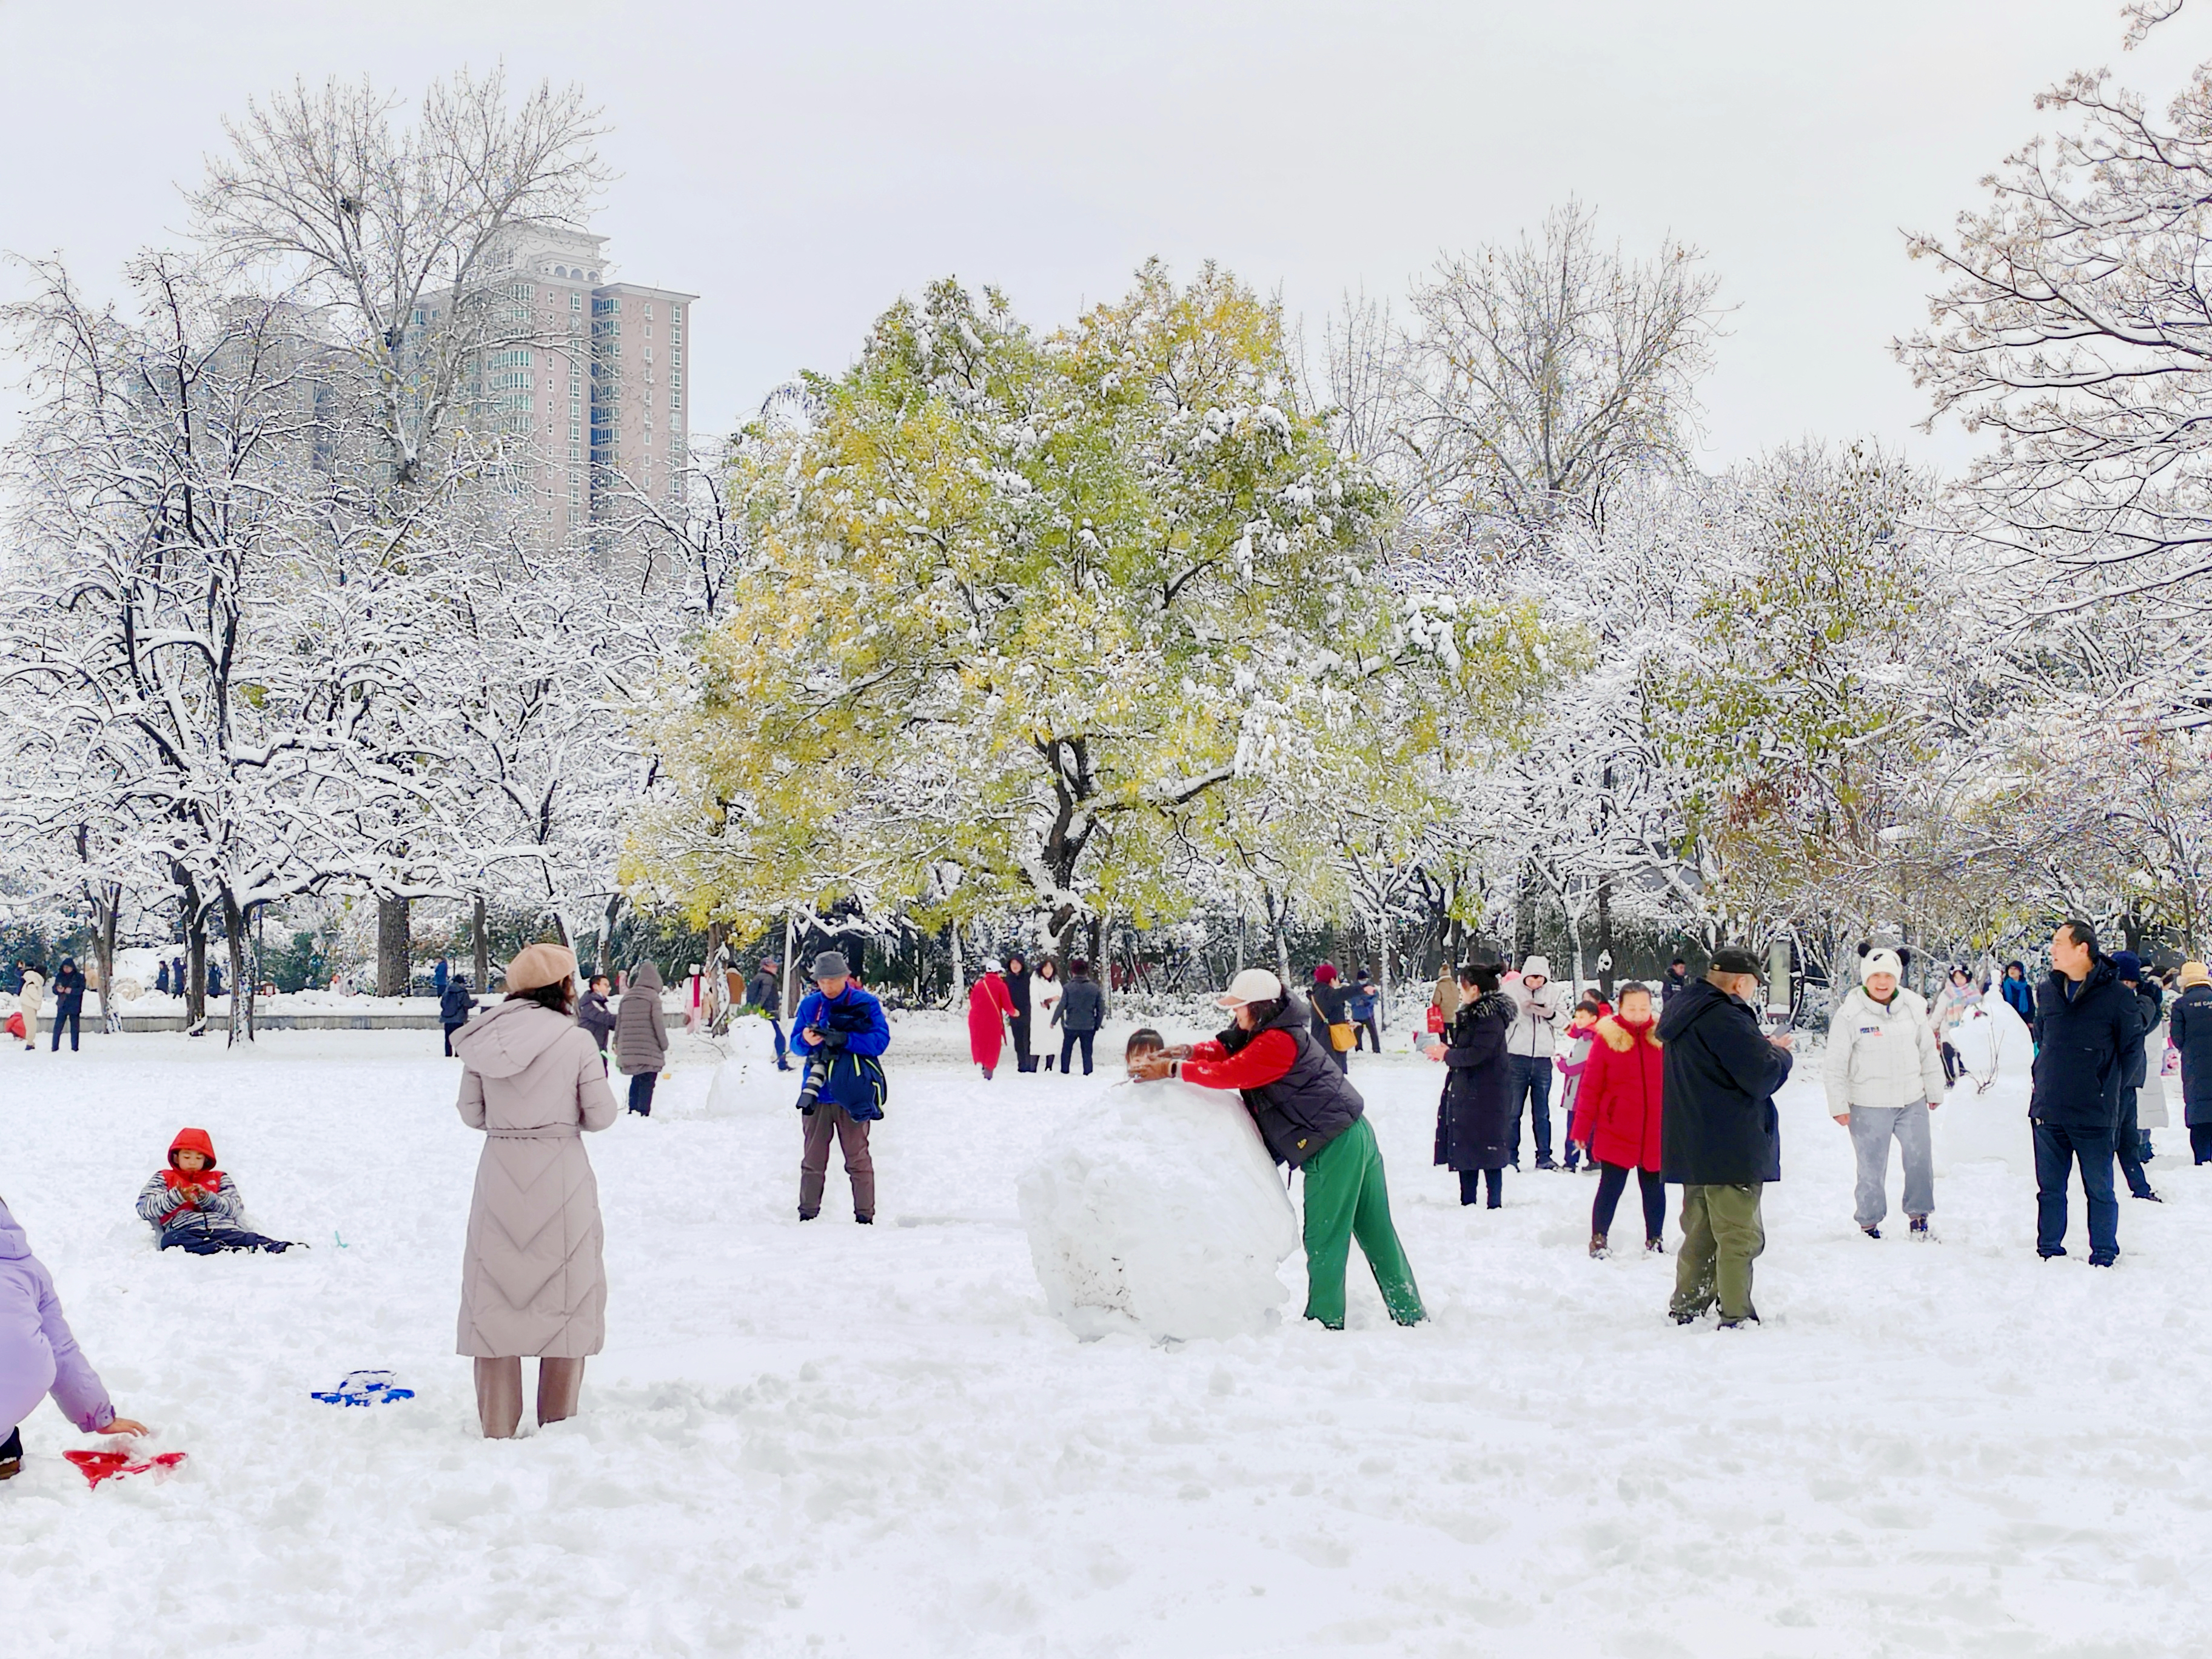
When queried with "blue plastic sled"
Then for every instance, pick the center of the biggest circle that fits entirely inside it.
(365, 1388)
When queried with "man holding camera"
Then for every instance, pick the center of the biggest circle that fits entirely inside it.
(841, 1033)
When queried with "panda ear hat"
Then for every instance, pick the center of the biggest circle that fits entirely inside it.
(1904, 955)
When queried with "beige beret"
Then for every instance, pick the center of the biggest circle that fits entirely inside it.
(540, 965)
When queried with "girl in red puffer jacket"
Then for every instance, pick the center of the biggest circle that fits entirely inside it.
(1617, 1116)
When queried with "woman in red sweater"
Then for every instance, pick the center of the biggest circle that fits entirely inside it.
(1617, 1116)
(1312, 1119)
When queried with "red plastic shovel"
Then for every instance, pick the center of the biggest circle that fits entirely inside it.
(99, 1465)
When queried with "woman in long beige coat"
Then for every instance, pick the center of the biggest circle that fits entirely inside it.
(532, 1280)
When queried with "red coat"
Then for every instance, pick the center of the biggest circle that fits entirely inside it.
(989, 1006)
(1617, 1110)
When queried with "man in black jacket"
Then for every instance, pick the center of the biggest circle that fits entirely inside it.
(1017, 977)
(2127, 1138)
(69, 1002)
(1719, 1134)
(764, 991)
(2085, 1022)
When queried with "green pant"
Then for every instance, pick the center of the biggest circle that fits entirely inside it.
(1345, 1199)
(1720, 1237)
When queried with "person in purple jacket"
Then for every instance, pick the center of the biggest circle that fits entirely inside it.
(38, 1355)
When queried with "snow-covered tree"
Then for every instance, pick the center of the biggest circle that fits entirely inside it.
(1017, 604)
(205, 627)
(401, 240)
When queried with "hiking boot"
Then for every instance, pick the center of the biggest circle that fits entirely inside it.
(1654, 1247)
(1688, 1318)
(11, 1454)
(1547, 1163)
(2149, 1197)
(808, 1215)
(1599, 1248)
(1871, 1231)
(2052, 1256)
(1920, 1228)
(865, 1220)
(2103, 1258)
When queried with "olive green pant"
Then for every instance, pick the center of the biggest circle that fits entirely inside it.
(1345, 1199)
(1721, 1236)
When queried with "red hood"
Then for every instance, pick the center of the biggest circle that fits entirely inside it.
(193, 1140)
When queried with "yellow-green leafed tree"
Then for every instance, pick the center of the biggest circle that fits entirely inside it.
(1015, 604)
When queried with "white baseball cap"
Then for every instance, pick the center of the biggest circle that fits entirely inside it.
(1253, 985)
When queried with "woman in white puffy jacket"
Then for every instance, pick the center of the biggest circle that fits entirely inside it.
(1884, 1075)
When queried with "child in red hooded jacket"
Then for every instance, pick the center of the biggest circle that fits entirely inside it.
(195, 1206)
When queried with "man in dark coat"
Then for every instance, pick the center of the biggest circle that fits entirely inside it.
(69, 1002)
(2128, 1141)
(1719, 1138)
(455, 1004)
(1017, 980)
(764, 991)
(1673, 981)
(2085, 1022)
(2190, 1027)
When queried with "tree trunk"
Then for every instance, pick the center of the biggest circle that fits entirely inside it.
(959, 975)
(394, 947)
(482, 944)
(789, 940)
(239, 1026)
(606, 963)
(1524, 917)
(193, 926)
(106, 917)
(196, 1008)
(1605, 956)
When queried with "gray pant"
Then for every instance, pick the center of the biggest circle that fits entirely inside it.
(1871, 1129)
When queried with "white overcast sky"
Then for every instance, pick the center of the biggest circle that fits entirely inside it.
(800, 164)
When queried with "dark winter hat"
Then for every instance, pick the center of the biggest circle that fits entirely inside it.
(2129, 965)
(1736, 959)
(831, 964)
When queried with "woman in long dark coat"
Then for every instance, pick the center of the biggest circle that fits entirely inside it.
(1475, 1120)
(2190, 1031)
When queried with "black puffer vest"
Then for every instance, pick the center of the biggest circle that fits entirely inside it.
(1310, 1104)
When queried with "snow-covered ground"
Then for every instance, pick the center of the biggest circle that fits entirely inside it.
(876, 1442)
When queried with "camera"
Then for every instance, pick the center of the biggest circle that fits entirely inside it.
(811, 1086)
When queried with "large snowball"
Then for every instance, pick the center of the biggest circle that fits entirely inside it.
(1156, 1208)
(1985, 1115)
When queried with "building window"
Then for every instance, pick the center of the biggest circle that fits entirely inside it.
(575, 302)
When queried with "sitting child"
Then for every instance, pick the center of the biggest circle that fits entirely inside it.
(38, 1355)
(1143, 1042)
(196, 1206)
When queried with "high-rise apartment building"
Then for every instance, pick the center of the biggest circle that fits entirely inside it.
(640, 413)
(600, 392)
